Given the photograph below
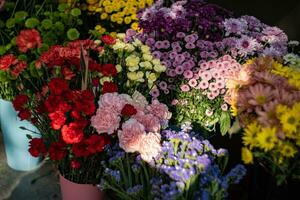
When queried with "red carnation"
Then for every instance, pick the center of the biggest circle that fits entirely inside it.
(94, 66)
(109, 87)
(96, 143)
(28, 39)
(52, 103)
(95, 82)
(57, 86)
(58, 119)
(80, 150)
(20, 101)
(75, 164)
(67, 73)
(7, 61)
(24, 114)
(18, 68)
(107, 39)
(128, 110)
(72, 133)
(108, 70)
(37, 147)
(57, 151)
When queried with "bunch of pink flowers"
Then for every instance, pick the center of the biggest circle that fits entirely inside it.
(210, 77)
(136, 122)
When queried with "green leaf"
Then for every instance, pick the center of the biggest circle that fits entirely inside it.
(3, 76)
(2, 24)
(75, 12)
(32, 22)
(46, 23)
(43, 48)
(10, 23)
(22, 57)
(29, 136)
(73, 34)
(13, 41)
(2, 50)
(224, 123)
(33, 70)
(8, 47)
(20, 16)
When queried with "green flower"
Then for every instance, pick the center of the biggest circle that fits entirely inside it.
(46, 23)
(73, 34)
(31, 22)
(20, 16)
(75, 12)
(10, 23)
(58, 26)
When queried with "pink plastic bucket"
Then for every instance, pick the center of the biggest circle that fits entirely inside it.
(74, 191)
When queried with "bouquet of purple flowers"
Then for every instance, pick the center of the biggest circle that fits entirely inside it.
(187, 168)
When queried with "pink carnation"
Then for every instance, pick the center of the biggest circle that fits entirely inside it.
(158, 109)
(106, 120)
(113, 101)
(150, 122)
(150, 146)
(131, 135)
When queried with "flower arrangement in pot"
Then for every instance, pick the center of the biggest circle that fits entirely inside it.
(78, 110)
(25, 34)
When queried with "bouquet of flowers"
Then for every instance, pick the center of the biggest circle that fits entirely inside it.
(189, 45)
(115, 16)
(173, 35)
(61, 109)
(186, 168)
(265, 97)
(26, 36)
(75, 128)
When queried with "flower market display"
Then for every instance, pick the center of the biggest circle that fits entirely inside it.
(135, 98)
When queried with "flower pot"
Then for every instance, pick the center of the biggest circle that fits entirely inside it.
(75, 191)
(16, 143)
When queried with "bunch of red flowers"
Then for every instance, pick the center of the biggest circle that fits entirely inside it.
(68, 113)
(12, 65)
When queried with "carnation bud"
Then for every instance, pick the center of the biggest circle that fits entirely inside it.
(75, 164)
(128, 110)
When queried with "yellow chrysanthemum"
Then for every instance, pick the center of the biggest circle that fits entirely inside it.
(233, 110)
(103, 16)
(290, 121)
(287, 150)
(247, 156)
(250, 135)
(292, 74)
(267, 138)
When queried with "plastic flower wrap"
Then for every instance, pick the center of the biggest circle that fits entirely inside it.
(133, 67)
(265, 97)
(116, 15)
(187, 168)
(26, 36)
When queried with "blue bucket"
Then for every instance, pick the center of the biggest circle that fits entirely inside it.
(16, 142)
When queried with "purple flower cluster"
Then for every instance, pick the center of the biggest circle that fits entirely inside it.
(185, 158)
(246, 36)
(184, 16)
